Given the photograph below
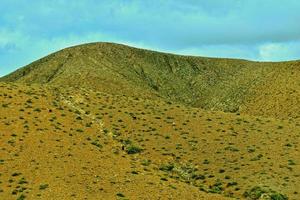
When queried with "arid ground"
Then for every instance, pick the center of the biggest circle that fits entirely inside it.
(107, 121)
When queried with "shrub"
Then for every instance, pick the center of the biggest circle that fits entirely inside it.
(277, 196)
(120, 195)
(131, 149)
(257, 192)
(216, 188)
(37, 110)
(97, 144)
(167, 167)
(43, 186)
(21, 197)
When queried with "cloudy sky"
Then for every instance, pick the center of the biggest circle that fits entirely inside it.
(264, 30)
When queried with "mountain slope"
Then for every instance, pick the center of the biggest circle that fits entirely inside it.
(107, 121)
(57, 144)
(216, 84)
(50, 150)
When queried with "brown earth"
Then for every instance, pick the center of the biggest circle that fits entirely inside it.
(106, 121)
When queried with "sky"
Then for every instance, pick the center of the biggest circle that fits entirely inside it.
(262, 30)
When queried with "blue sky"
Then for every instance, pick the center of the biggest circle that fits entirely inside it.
(264, 30)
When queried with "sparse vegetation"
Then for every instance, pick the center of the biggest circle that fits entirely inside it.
(257, 192)
(152, 127)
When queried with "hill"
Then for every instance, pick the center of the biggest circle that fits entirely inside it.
(256, 88)
(108, 121)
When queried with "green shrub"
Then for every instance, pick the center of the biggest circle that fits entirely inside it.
(277, 196)
(254, 193)
(120, 195)
(167, 167)
(257, 192)
(97, 144)
(21, 197)
(216, 188)
(131, 149)
(43, 186)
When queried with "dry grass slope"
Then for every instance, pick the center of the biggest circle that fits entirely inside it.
(106, 121)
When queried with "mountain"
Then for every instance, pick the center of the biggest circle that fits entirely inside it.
(229, 85)
(108, 121)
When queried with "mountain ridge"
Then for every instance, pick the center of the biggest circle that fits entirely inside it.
(211, 83)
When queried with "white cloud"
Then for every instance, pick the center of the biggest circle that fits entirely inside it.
(279, 51)
(9, 38)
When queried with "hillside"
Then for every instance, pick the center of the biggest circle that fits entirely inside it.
(108, 121)
(57, 144)
(256, 88)
(50, 149)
